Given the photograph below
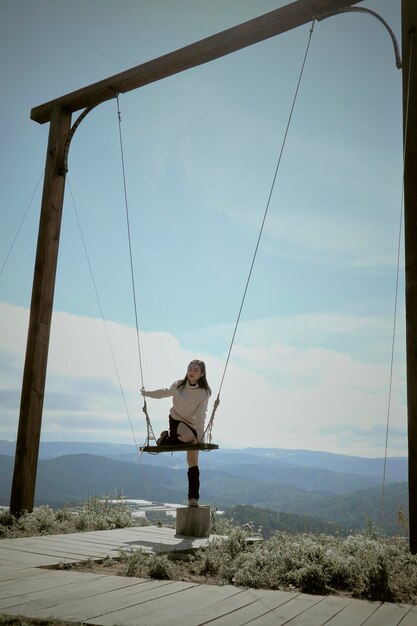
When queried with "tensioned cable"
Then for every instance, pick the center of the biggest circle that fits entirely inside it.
(263, 221)
(101, 310)
(381, 514)
(21, 223)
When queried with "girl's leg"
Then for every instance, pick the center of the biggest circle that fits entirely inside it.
(192, 458)
(181, 433)
(168, 437)
(193, 477)
(173, 427)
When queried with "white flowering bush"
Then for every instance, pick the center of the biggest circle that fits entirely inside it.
(95, 514)
(377, 569)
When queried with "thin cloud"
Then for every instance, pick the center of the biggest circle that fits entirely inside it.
(276, 396)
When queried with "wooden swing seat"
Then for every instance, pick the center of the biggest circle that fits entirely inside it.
(180, 447)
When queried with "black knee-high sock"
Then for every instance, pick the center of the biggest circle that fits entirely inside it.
(193, 482)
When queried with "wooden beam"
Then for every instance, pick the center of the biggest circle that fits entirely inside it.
(258, 29)
(34, 375)
(409, 53)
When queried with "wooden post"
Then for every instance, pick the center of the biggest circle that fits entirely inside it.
(34, 375)
(409, 53)
(193, 521)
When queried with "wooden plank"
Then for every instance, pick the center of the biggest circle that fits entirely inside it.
(238, 608)
(388, 614)
(9, 563)
(411, 618)
(26, 600)
(8, 573)
(31, 560)
(124, 590)
(112, 606)
(37, 549)
(11, 571)
(253, 31)
(323, 611)
(111, 538)
(355, 614)
(78, 589)
(286, 612)
(49, 582)
(75, 553)
(190, 609)
(67, 547)
(98, 538)
(173, 601)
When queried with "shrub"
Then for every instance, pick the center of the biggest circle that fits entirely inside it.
(160, 568)
(378, 581)
(135, 563)
(139, 563)
(365, 567)
(95, 514)
(310, 579)
(208, 565)
(7, 521)
(41, 522)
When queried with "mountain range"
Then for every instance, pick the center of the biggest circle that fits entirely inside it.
(340, 489)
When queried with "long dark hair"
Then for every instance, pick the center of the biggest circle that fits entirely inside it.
(202, 381)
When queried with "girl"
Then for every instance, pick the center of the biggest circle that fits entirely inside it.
(190, 398)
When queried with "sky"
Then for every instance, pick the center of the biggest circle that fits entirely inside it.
(310, 366)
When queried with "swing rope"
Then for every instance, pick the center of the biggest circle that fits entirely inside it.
(208, 431)
(150, 434)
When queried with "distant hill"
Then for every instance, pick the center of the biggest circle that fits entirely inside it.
(355, 510)
(71, 479)
(279, 465)
(268, 521)
(397, 467)
(53, 449)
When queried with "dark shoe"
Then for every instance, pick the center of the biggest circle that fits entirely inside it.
(162, 438)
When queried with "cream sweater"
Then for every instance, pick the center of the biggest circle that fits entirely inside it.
(189, 404)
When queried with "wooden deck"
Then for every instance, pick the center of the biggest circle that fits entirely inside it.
(27, 588)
